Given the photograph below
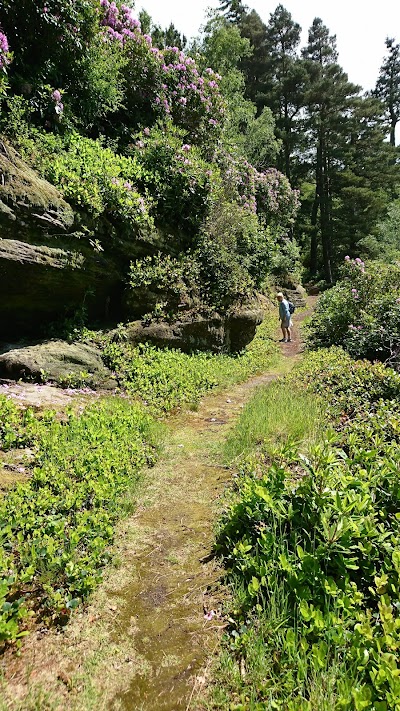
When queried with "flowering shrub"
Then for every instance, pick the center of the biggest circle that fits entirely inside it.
(94, 179)
(65, 28)
(5, 59)
(361, 313)
(166, 84)
(5, 55)
(268, 193)
(177, 177)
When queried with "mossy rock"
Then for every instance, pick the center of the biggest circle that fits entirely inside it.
(47, 271)
(27, 200)
(56, 361)
(217, 333)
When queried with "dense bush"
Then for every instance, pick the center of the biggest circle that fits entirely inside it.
(178, 178)
(361, 313)
(55, 529)
(93, 179)
(352, 385)
(312, 540)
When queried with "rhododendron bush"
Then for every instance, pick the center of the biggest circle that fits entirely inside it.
(91, 48)
(361, 312)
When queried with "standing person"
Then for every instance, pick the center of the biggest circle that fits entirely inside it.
(285, 317)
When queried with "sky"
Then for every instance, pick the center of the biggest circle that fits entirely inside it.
(360, 26)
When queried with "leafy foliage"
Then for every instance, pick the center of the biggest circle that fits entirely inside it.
(312, 541)
(93, 178)
(166, 378)
(361, 313)
(55, 529)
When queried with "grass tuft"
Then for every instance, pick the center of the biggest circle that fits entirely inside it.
(277, 414)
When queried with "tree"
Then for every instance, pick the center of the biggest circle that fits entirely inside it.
(285, 82)
(254, 67)
(388, 86)
(170, 37)
(223, 48)
(233, 10)
(364, 178)
(328, 100)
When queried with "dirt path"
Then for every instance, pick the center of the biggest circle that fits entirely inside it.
(143, 642)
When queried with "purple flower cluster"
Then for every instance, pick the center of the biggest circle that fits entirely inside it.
(269, 192)
(58, 104)
(356, 263)
(120, 24)
(185, 93)
(4, 51)
(168, 77)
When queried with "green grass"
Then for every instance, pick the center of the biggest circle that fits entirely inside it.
(277, 414)
(258, 671)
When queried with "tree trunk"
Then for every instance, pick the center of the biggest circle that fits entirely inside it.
(393, 132)
(314, 236)
(324, 208)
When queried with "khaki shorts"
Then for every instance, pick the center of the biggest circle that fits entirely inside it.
(287, 323)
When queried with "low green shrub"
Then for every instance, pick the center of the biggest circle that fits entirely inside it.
(312, 544)
(166, 378)
(361, 313)
(351, 385)
(55, 530)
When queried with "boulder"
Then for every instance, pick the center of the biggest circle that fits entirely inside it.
(58, 361)
(216, 333)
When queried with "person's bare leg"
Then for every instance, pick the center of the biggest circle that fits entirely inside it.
(284, 330)
(289, 334)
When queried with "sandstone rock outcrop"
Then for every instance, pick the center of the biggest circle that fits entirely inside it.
(45, 266)
(215, 333)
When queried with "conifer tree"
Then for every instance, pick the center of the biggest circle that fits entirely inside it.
(285, 81)
(255, 67)
(233, 10)
(328, 101)
(388, 86)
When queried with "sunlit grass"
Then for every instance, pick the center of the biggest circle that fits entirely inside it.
(277, 414)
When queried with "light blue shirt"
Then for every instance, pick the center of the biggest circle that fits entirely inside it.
(284, 313)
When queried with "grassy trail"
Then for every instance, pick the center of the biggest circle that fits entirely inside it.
(143, 642)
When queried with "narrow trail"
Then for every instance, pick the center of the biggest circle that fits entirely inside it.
(143, 642)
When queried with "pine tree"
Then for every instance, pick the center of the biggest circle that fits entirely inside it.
(255, 66)
(233, 10)
(364, 179)
(285, 82)
(388, 86)
(328, 101)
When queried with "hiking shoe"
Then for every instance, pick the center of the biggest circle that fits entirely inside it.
(289, 340)
(283, 340)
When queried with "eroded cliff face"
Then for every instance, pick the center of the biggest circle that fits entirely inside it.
(49, 268)
(45, 266)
